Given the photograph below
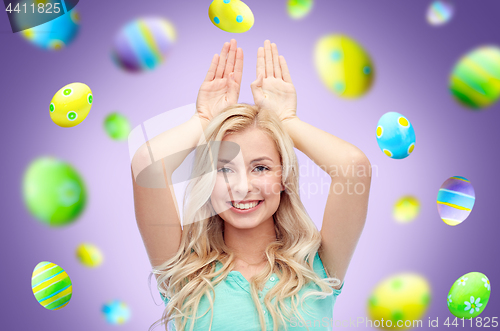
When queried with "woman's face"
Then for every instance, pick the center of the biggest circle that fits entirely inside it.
(248, 185)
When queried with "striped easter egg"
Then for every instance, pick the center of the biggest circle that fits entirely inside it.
(89, 255)
(143, 44)
(475, 80)
(455, 200)
(51, 285)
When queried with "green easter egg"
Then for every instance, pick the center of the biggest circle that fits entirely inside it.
(469, 295)
(53, 191)
(117, 126)
(51, 285)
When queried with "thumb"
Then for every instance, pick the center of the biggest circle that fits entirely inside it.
(257, 83)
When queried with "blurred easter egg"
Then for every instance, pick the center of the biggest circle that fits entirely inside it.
(53, 191)
(117, 126)
(116, 312)
(231, 15)
(343, 65)
(469, 295)
(89, 255)
(395, 135)
(71, 105)
(455, 200)
(143, 44)
(439, 12)
(56, 33)
(299, 8)
(475, 79)
(51, 285)
(403, 297)
(406, 209)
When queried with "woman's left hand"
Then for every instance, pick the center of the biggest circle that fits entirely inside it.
(273, 88)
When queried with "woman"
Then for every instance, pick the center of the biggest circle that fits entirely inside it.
(248, 252)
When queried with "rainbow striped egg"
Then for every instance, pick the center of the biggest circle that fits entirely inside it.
(439, 13)
(395, 135)
(51, 285)
(455, 200)
(143, 44)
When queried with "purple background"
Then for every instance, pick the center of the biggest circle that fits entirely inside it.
(413, 61)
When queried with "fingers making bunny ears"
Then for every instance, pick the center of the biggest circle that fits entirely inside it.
(229, 64)
(271, 64)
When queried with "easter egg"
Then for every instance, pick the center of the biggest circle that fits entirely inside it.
(143, 44)
(299, 8)
(475, 79)
(231, 15)
(51, 285)
(53, 192)
(439, 12)
(117, 126)
(116, 312)
(395, 135)
(469, 295)
(406, 209)
(403, 297)
(343, 65)
(54, 34)
(71, 105)
(89, 255)
(455, 200)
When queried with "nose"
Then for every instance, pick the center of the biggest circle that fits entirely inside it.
(239, 186)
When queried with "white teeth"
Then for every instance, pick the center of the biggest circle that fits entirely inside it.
(245, 205)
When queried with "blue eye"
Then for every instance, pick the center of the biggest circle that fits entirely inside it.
(264, 168)
(225, 170)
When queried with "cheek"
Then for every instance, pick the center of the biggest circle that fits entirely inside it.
(270, 186)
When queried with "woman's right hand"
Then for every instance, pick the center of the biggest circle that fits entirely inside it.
(221, 87)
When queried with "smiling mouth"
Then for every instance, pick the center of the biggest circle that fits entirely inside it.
(246, 205)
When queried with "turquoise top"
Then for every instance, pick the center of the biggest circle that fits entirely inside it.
(234, 308)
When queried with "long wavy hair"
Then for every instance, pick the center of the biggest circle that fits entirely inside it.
(187, 276)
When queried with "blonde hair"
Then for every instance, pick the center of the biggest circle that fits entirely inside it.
(186, 277)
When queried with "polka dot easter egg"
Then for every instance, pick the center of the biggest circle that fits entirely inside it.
(231, 15)
(395, 135)
(343, 65)
(53, 192)
(89, 255)
(116, 312)
(439, 13)
(455, 200)
(298, 9)
(475, 79)
(54, 35)
(403, 297)
(406, 209)
(51, 285)
(143, 44)
(469, 295)
(71, 105)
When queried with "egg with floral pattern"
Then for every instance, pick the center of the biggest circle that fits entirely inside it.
(469, 295)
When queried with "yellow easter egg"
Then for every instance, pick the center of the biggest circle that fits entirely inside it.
(231, 15)
(398, 301)
(406, 209)
(71, 105)
(51, 285)
(343, 66)
(89, 255)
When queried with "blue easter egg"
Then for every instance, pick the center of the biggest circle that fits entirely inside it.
(55, 34)
(395, 135)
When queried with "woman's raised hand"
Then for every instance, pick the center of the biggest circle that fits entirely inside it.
(273, 88)
(221, 86)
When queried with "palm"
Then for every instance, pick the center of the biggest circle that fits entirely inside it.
(273, 88)
(221, 87)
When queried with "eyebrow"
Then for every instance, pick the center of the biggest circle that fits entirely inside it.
(254, 160)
